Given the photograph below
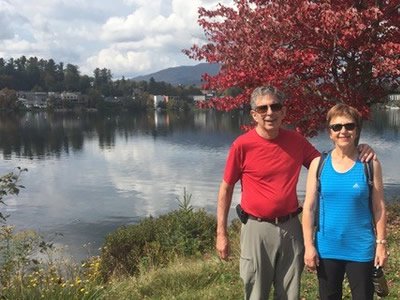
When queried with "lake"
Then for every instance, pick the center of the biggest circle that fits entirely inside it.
(90, 173)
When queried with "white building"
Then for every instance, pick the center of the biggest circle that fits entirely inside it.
(33, 99)
(394, 97)
(199, 98)
(159, 99)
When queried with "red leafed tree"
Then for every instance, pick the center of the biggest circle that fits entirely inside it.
(317, 52)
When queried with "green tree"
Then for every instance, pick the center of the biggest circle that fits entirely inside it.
(103, 81)
(94, 98)
(8, 99)
(71, 78)
(32, 73)
(85, 83)
(20, 77)
(60, 77)
(50, 76)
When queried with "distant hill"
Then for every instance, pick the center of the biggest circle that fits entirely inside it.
(185, 75)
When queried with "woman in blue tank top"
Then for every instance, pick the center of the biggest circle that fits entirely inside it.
(350, 239)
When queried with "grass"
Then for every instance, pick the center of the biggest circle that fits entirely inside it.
(210, 278)
(184, 278)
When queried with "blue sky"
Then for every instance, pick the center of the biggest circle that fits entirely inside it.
(130, 37)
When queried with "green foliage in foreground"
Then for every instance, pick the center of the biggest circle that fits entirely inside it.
(9, 186)
(210, 278)
(157, 241)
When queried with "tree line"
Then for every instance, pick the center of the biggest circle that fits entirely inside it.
(41, 75)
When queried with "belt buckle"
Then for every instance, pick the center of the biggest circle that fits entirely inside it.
(276, 221)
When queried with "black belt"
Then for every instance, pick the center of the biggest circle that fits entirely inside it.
(277, 220)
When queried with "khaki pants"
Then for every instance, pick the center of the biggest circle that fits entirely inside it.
(271, 254)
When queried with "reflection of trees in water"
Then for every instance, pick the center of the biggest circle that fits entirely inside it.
(42, 134)
(394, 118)
(221, 121)
(385, 120)
(31, 135)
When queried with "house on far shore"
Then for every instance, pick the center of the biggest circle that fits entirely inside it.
(113, 99)
(208, 93)
(76, 98)
(198, 98)
(205, 96)
(158, 99)
(33, 99)
(393, 100)
(394, 97)
(41, 99)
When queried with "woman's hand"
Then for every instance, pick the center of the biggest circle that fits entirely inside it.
(381, 255)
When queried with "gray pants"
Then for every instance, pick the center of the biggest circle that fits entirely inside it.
(271, 254)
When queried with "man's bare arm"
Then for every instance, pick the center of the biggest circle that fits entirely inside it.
(224, 203)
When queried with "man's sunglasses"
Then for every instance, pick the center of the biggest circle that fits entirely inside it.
(338, 127)
(263, 109)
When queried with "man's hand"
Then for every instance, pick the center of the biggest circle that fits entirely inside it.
(222, 246)
(311, 258)
(366, 152)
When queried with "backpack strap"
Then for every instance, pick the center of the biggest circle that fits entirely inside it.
(369, 173)
(321, 164)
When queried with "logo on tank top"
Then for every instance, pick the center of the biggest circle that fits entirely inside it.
(356, 186)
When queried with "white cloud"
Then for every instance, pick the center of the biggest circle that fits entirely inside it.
(130, 37)
(123, 61)
(16, 45)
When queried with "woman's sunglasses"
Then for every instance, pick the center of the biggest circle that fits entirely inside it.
(263, 109)
(338, 127)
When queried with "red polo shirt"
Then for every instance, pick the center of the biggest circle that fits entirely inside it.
(269, 171)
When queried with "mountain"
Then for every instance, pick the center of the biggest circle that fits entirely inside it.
(185, 75)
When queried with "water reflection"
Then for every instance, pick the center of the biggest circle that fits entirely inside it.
(385, 120)
(40, 135)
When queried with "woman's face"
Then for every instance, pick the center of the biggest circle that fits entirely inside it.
(343, 131)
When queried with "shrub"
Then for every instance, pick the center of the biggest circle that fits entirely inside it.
(9, 186)
(156, 241)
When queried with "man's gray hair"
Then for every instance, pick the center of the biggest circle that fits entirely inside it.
(264, 91)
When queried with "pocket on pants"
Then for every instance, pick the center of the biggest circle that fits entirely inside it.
(247, 270)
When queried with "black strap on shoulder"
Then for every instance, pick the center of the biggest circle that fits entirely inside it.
(319, 169)
(369, 173)
(321, 164)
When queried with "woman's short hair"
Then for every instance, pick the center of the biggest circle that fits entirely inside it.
(340, 110)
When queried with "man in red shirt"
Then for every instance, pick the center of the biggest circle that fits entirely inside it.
(267, 160)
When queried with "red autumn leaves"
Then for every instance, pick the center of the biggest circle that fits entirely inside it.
(318, 53)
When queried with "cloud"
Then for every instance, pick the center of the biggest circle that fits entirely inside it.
(152, 34)
(130, 37)
(123, 61)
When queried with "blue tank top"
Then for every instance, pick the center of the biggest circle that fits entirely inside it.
(345, 222)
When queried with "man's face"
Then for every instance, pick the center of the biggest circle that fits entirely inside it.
(269, 113)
